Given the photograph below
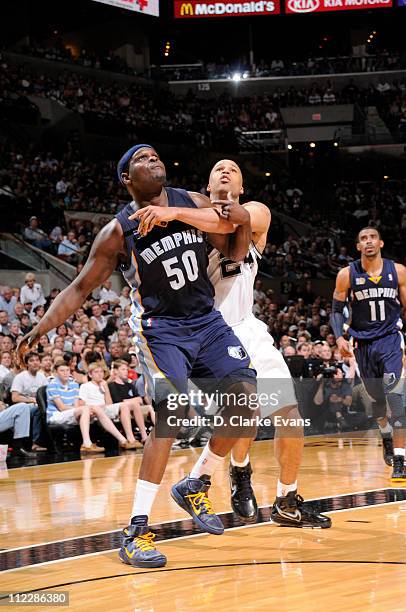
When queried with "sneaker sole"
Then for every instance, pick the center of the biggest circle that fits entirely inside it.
(150, 564)
(299, 526)
(178, 498)
(398, 479)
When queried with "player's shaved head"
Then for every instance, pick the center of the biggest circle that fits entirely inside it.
(225, 177)
(368, 229)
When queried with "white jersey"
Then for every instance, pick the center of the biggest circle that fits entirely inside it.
(234, 284)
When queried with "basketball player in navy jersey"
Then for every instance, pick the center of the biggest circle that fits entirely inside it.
(376, 288)
(233, 266)
(178, 332)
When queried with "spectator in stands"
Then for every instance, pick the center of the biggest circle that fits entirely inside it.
(15, 332)
(8, 301)
(17, 418)
(6, 343)
(336, 396)
(4, 323)
(26, 324)
(46, 365)
(68, 248)
(96, 394)
(97, 321)
(37, 313)
(107, 294)
(36, 236)
(32, 292)
(23, 391)
(63, 407)
(125, 297)
(123, 391)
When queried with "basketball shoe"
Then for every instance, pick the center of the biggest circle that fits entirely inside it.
(191, 495)
(291, 511)
(387, 448)
(398, 473)
(138, 548)
(243, 500)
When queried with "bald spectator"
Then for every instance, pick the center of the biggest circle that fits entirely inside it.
(125, 297)
(69, 247)
(4, 323)
(8, 301)
(32, 292)
(107, 294)
(98, 320)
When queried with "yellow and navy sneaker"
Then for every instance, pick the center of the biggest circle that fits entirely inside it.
(191, 495)
(398, 473)
(243, 500)
(291, 511)
(138, 548)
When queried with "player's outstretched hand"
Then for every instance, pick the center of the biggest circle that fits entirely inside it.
(345, 348)
(25, 345)
(151, 216)
(232, 210)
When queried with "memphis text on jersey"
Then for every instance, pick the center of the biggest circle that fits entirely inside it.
(367, 294)
(171, 242)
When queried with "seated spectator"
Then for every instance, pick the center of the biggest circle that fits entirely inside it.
(125, 297)
(97, 321)
(23, 391)
(32, 292)
(68, 248)
(107, 294)
(36, 236)
(8, 301)
(46, 366)
(122, 390)
(96, 394)
(63, 406)
(71, 359)
(17, 418)
(6, 344)
(37, 313)
(4, 323)
(15, 332)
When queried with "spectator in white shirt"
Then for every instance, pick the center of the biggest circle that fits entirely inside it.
(125, 297)
(68, 248)
(35, 235)
(96, 394)
(8, 301)
(32, 291)
(107, 294)
(97, 321)
(23, 391)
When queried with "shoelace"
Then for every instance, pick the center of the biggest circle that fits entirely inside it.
(145, 542)
(310, 509)
(201, 499)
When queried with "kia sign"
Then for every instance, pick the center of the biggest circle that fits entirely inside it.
(149, 7)
(318, 6)
(195, 9)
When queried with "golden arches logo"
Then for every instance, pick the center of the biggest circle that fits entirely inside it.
(186, 9)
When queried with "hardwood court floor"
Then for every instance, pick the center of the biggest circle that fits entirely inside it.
(359, 564)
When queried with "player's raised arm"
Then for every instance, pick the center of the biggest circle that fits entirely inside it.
(340, 294)
(401, 271)
(101, 262)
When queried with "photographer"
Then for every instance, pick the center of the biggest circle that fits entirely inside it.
(335, 395)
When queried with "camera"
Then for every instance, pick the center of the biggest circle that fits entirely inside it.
(328, 371)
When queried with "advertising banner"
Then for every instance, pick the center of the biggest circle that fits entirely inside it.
(149, 7)
(318, 6)
(233, 8)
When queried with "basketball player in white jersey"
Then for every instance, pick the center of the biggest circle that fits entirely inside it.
(233, 283)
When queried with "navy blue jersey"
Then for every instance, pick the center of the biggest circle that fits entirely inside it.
(167, 268)
(375, 306)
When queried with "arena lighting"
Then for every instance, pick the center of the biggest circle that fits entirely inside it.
(290, 147)
(312, 145)
(335, 144)
(267, 174)
(386, 177)
(236, 76)
(245, 75)
(176, 163)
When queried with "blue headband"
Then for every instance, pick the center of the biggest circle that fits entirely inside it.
(127, 156)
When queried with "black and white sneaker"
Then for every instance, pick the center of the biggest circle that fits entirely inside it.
(387, 449)
(292, 511)
(243, 499)
(398, 473)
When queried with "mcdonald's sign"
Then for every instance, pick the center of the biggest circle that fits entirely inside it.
(231, 8)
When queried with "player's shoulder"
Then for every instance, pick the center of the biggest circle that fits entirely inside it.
(259, 206)
(344, 275)
(401, 271)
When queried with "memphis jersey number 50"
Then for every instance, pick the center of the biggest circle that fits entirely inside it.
(174, 271)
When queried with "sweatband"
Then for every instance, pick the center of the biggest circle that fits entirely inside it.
(127, 156)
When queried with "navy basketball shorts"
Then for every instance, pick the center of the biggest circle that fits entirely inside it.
(203, 348)
(380, 363)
